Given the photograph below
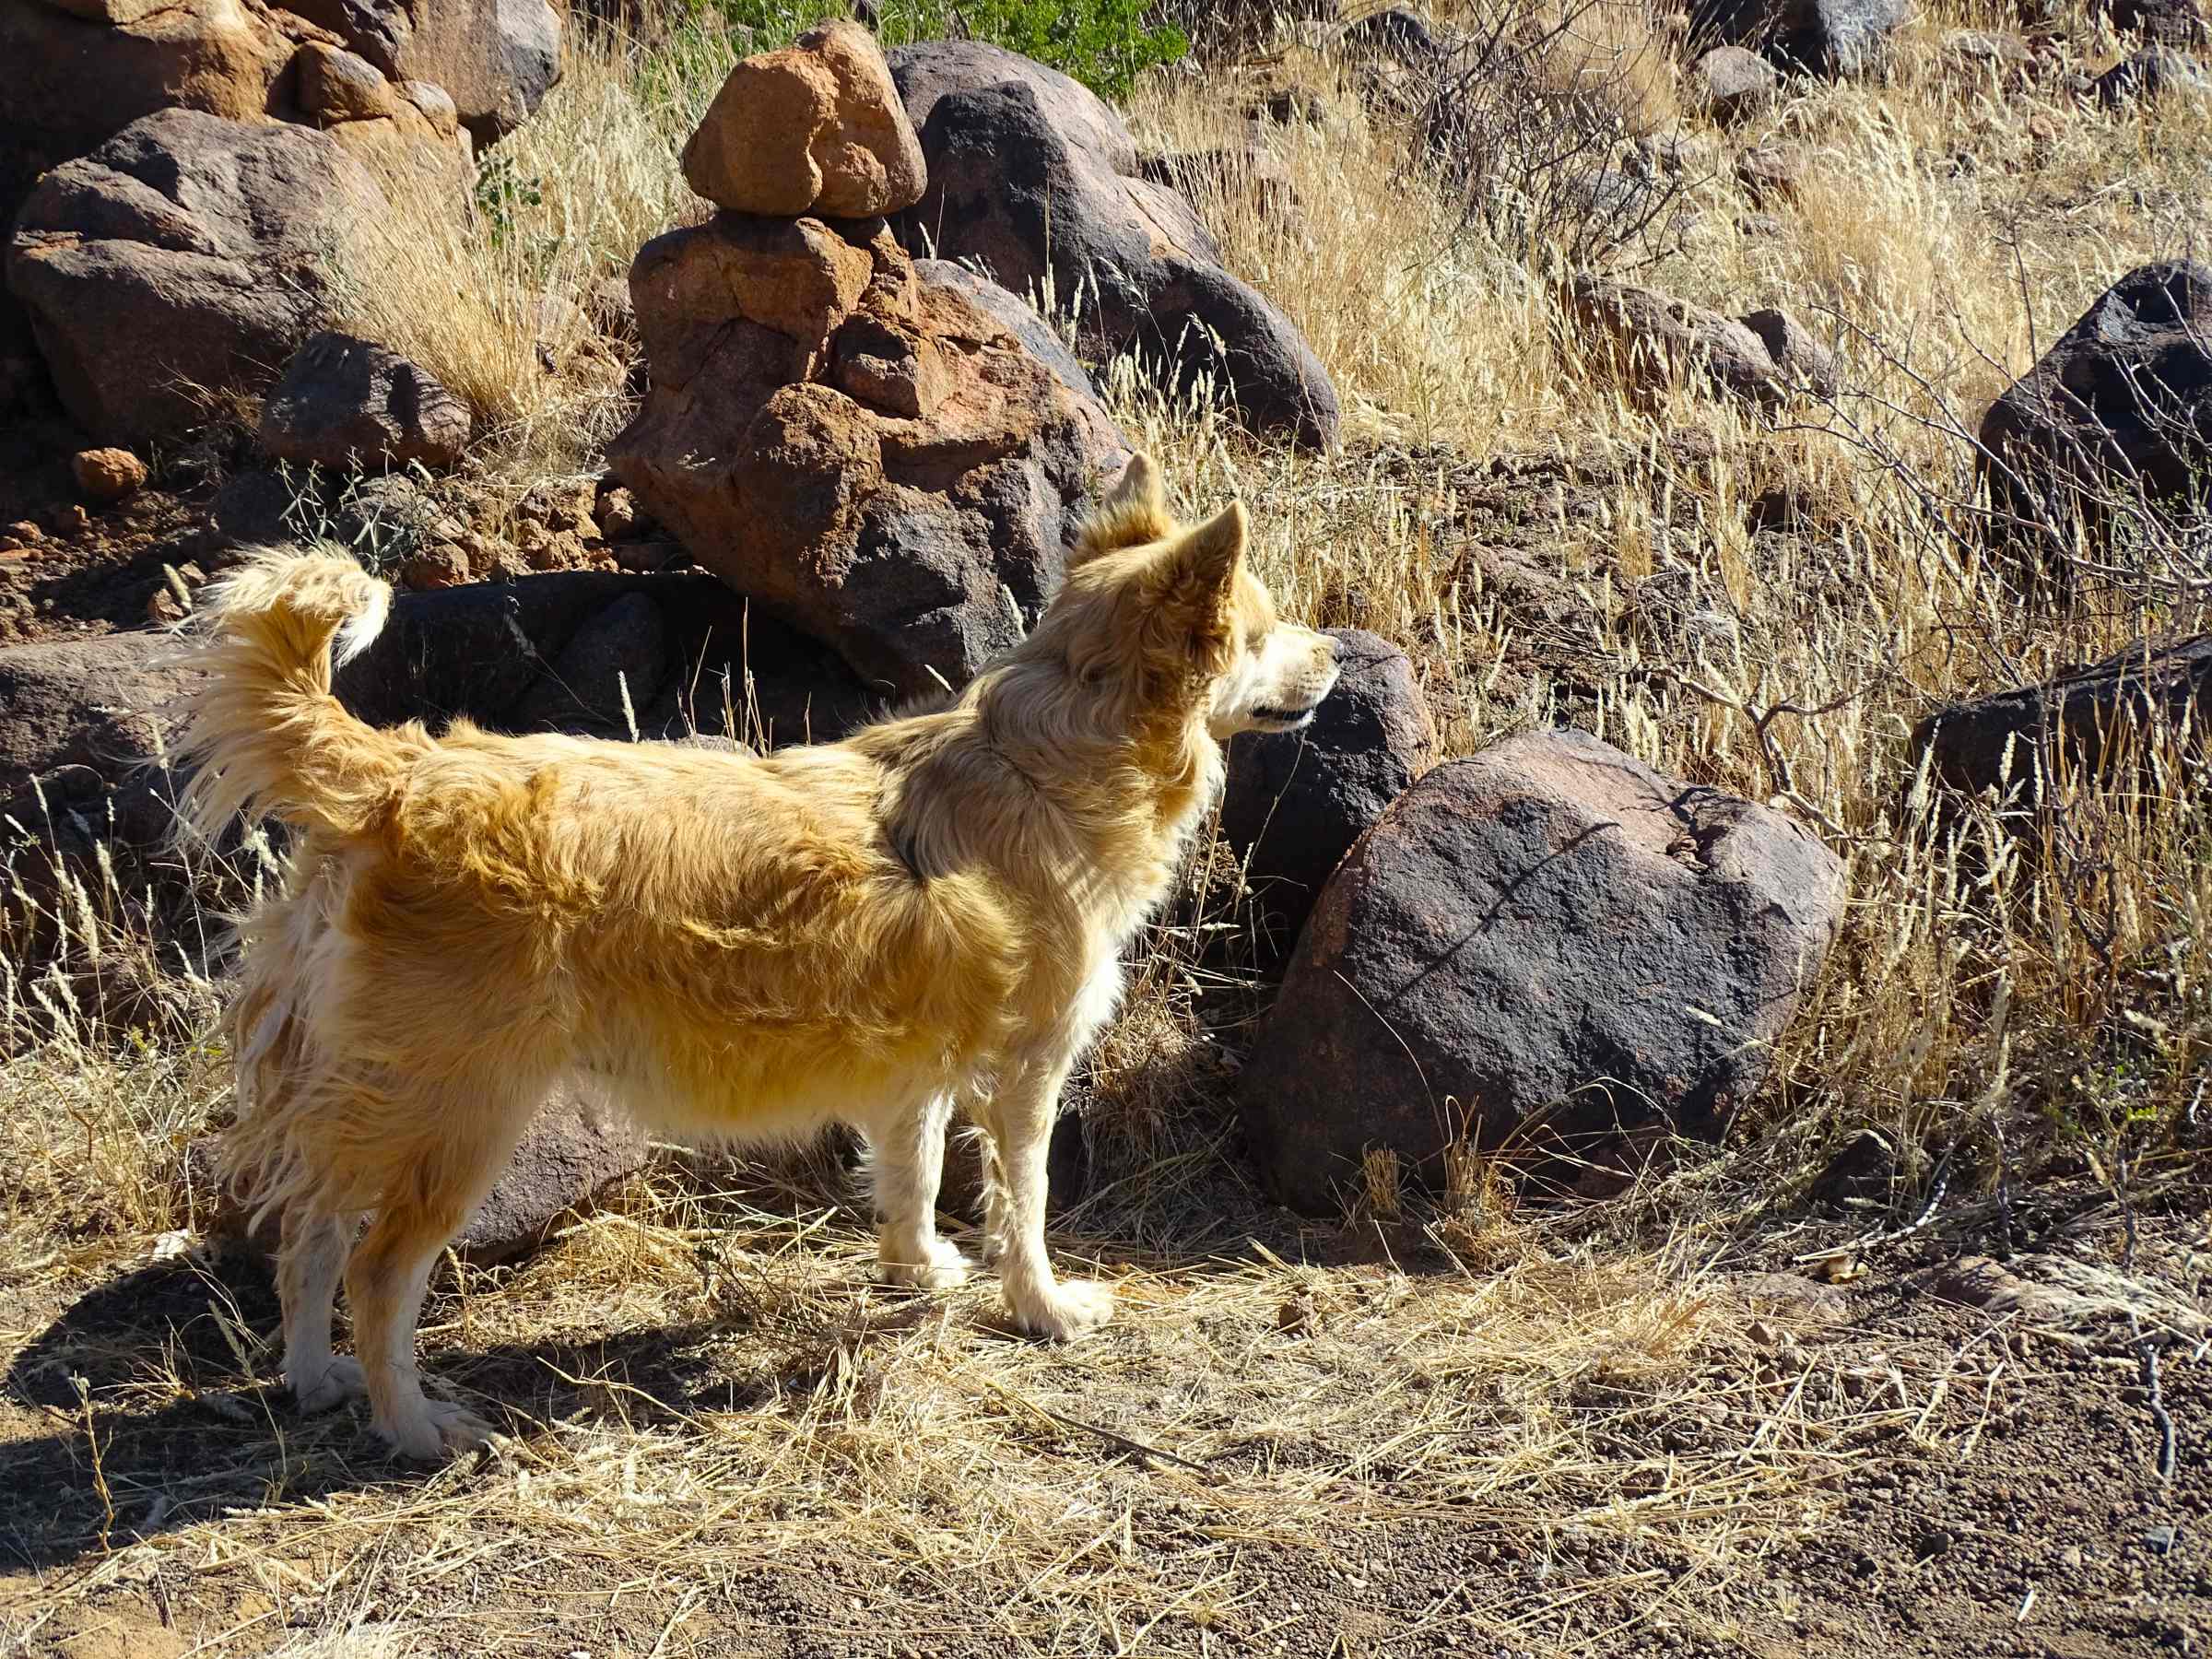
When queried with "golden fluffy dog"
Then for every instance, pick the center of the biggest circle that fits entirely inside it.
(927, 915)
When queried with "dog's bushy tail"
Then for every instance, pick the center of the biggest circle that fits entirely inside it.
(263, 733)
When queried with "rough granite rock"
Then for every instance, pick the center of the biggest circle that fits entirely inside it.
(1550, 944)
(815, 128)
(865, 451)
(1651, 341)
(1039, 184)
(2121, 403)
(1295, 802)
(344, 402)
(188, 251)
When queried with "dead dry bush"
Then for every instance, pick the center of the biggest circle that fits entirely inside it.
(1527, 119)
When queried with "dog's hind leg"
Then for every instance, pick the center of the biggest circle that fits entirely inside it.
(1019, 1118)
(427, 1195)
(907, 1157)
(309, 1262)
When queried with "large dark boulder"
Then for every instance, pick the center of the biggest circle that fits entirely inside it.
(1036, 182)
(2090, 725)
(188, 253)
(1543, 947)
(1827, 37)
(2117, 412)
(1295, 802)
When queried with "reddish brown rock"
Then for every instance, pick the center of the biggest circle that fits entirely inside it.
(108, 474)
(815, 128)
(391, 127)
(495, 60)
(870, 453)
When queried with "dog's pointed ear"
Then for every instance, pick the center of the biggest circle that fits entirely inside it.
(1132, 512)
(1201, 569)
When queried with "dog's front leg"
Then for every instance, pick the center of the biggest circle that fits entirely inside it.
(907, 1157)
(1020, 1121)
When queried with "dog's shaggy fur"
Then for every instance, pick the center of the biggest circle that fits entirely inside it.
(927, 915)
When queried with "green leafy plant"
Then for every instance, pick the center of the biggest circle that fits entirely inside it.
(503, 191)
(1106, 45)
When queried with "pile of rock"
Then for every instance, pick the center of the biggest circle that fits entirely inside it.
(865, 444)
(1651, 341)
(185, 255)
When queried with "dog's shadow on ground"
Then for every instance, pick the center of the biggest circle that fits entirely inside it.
(186, 1419)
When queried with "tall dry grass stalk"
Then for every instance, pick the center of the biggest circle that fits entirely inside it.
(1938, 281)
(491, 289)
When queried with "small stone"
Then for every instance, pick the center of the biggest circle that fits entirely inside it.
(70, 521)
(2070, 1558)
(1772, 173)
(441, 566)
(2161, 1540)
(619, 515)
(1734, 83)
(163, 610)
(108, 474)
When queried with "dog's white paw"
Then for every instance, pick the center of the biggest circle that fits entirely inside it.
(946, 1268)
(339, 1379)
(441, 1431)
(1071, 1308)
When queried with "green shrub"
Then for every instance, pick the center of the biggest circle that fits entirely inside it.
(1106, 45)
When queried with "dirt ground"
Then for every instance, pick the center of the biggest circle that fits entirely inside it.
(735, 1446)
